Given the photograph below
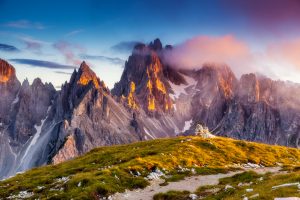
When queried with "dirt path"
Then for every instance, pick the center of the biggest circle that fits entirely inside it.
(189, 183)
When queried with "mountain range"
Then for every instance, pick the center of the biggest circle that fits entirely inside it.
(39, 125)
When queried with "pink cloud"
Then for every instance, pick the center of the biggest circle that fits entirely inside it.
(197, 51)
(69, 50)
(286, 53)
(25, 24)
(277, 60)
(32, 44)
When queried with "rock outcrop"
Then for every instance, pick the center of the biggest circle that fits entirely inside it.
(203, 132)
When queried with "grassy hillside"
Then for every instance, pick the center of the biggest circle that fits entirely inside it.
(106, 170)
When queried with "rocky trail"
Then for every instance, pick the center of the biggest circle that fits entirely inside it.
(189, 184)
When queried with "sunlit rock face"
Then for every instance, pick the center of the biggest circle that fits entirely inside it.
(85, 75)
(68, 151)
(7, 72)
(145, 70)
(131, 99)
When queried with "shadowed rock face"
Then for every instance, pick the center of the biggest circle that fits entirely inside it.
(215, 89)
(248, 91)
(39, 125)
(22, 111)
(30, 107)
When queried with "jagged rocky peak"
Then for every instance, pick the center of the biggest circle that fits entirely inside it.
(139, 47)
(7, 72)
(168, 47)
(38, 83)
(143, 80)
(82, 80)
(85, 75)
(82, 83)
(30, 106)
(25, 83)
(156, 45)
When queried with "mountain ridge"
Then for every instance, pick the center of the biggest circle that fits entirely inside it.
(151, 100)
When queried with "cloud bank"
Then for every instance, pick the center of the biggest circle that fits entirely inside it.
(279, 59)
(62, 72)
(286, 53)
(33, 45)
(124, 46)
(69, 50)
(8, 48)
(112, 60)
(25, 24)
(74, 32)
(193, 53)
(42, 63)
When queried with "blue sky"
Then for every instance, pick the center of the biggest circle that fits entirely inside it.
(52, 37)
